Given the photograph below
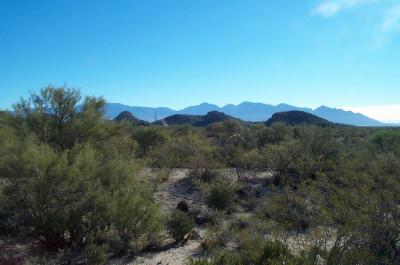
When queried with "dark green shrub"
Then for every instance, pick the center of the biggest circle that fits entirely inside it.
(179, 224)
(386, 141)
(221, 195)
(148, 138)
(137, 222)
(64, 180)
(96, 254)
(289, 211)
(255, 253)
(183, 206)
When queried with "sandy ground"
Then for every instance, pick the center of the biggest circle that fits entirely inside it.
(169, 194)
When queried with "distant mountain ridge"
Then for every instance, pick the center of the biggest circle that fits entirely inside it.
(247, 111)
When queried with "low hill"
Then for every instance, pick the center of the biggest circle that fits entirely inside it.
(196, 120)
(128, 116)
(297, 118)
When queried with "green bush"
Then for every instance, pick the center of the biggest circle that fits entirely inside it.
(63, 178)
(137, 221)
(179, 224)
(221, 195)
(148, 138)
(96, 254)
(255, 253)
(289, 211)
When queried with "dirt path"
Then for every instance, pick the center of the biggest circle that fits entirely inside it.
(178, 187)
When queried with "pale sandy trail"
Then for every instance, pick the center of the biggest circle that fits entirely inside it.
(169, 194)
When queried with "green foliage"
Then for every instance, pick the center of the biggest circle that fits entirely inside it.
(257, 253)
(64, 177)
(387, 141)
(53, 117)
(278, 158)
(179, 224)
(289, 211)
(188, 150)
(220, 195)
(148, 138)
(67, 174)
(96, 254)
(137, 222)
(272, 135)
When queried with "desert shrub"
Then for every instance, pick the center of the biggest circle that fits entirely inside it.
(95, 254)
(54, 117)
(218, 235)
(137, 221)
(199, 216)
(204, 175)
(179, 224)
(241, 222)
(386, 141)
(161, 174)
(289, 211)
(256, 253)
(148, 138)
(177, 153)
(277, 133)
(183, 206)
(220, 195)
(62, 179)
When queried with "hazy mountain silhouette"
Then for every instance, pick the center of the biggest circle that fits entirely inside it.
(247, 111)
(144, 113)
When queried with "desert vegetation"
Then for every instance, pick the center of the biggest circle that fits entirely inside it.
(85, 188)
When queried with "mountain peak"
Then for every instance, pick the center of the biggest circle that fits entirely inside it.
(128, 116)
(296, 117)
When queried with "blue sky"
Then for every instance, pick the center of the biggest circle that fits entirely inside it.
(175, 53)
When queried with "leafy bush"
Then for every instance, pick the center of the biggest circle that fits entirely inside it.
(221, 195)
(179, 224)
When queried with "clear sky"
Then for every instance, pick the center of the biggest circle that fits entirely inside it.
(175, 53)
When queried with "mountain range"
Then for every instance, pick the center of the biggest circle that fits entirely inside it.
(247, 111)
